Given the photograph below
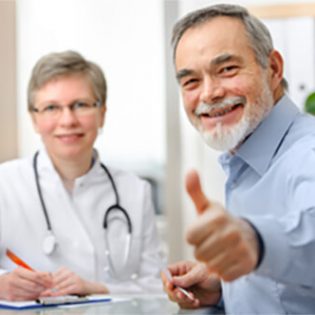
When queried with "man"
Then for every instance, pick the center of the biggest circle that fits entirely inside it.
(256, 254)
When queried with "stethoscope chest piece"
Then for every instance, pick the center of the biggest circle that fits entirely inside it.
(49, 243)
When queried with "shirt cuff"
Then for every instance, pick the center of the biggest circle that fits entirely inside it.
(275, 244)
(3, 272)
(260, 243)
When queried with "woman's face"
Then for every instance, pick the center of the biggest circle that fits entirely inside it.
(70, 133)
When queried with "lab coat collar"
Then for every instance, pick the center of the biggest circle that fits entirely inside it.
(261, 146)
(94, 172)
(46, 167)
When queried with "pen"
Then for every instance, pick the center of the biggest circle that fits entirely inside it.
(18, 260)
(169, 278)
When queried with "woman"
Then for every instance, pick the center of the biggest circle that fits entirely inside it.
(53, 204)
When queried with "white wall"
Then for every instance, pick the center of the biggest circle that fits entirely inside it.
(126, 39)
(190, 5)
(8, 136)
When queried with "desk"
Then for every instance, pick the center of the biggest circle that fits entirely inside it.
(133, 304)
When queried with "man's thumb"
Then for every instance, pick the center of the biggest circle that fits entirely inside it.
(195, 192)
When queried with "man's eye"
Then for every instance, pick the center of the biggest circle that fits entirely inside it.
(51, 108)
(229, 69)
(189, 83)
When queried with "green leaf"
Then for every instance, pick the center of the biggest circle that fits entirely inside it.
(309, 105)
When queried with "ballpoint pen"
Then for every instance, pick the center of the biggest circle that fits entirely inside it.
(18, 261)
(169, 278)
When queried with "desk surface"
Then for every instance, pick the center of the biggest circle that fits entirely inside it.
(130, 304)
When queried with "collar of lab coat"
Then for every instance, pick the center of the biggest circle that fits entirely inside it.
(47, 169)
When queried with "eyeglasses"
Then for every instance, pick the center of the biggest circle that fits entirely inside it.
(78, 108)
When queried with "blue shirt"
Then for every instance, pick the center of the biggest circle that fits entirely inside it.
(271, 182)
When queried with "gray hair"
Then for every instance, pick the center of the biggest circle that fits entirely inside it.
(59, 64)
(259, 37)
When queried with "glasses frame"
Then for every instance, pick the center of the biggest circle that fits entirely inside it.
(54, 110)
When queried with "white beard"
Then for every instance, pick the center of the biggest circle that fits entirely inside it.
(224, 138)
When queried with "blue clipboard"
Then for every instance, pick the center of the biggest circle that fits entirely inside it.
(54, 302)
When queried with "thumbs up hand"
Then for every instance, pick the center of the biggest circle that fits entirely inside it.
(194, 190)
(228, 245)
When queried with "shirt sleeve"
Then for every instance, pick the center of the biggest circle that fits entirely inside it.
(2, 249)
(290, 239)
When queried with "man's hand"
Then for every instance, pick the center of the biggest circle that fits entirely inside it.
(227, 245)
(205, 289)
(66, 282)
(22, 284)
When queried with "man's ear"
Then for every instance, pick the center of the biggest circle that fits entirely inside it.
(276, 69)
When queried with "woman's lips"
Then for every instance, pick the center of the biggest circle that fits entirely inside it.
(70, 138)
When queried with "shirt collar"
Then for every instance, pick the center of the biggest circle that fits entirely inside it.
(258, 150)
(45, 166)
(44, 161)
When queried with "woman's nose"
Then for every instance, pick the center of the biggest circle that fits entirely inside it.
(67, 115)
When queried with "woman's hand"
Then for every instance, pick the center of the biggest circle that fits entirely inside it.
(66, 281)
(22, 284)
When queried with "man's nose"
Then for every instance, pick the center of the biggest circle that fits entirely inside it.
(212, 90)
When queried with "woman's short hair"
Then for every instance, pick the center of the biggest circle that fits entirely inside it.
(59, 64)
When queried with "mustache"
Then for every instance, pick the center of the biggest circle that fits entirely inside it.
(205, 108)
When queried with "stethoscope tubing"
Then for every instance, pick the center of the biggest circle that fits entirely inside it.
(115, 206)
(40, 194)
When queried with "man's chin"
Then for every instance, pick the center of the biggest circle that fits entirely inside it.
(224, 138)
(221, 144)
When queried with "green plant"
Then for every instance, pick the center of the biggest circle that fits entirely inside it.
(309, 105)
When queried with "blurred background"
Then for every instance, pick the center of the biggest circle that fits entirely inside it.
(146, 130)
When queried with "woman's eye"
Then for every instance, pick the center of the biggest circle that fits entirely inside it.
(51, 108)
(81, 105)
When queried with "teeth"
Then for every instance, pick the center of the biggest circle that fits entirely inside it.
(219, 109)
(221, 113)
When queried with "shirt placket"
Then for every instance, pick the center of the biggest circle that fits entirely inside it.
(234, 169)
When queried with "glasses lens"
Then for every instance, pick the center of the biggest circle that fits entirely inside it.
(78, 108)
(83, 108)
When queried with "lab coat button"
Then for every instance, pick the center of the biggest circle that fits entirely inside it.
(106, 269)
(134, 303)
(134, 276)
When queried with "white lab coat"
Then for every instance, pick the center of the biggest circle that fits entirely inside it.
(77, 222)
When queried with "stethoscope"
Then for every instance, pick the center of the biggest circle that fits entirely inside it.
(50, 242)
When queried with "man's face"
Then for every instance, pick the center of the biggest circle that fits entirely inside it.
(226, 93)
